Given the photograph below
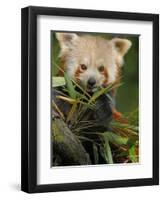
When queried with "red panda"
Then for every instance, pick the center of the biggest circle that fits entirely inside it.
(93, 61)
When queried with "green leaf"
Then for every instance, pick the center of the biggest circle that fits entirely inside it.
(110, 98)
(132, 141)
(132, 154)
(107, 151)
(70, 86)
(116, 139)
(102, 91)
(84, 91)
(58, 81)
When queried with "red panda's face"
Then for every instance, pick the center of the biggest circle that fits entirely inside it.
(91, 77)
(93, 62)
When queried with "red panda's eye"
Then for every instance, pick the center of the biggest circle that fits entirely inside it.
(101, 68)
(83, 67)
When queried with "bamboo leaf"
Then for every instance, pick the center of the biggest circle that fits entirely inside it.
(54, 105)
(102, 91)
(107, 151)
(58, 81)
(71, 112)
(69, 100)
(114, 138)
(84, 91)
(70, 86)
(132, 154)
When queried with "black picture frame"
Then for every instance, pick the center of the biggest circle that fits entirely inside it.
(29, 99)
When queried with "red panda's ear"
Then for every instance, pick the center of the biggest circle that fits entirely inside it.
(67, 40)
(121, 45)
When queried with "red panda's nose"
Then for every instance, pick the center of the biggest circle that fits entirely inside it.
(91, 82)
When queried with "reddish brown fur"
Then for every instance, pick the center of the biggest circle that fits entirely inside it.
(106, 75)
(77, 73)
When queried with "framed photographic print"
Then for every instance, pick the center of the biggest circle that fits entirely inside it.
(90, 99)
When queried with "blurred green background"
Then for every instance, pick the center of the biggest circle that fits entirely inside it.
(127, 98)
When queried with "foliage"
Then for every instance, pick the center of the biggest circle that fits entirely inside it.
(118, 144)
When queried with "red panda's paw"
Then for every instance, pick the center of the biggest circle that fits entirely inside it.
(117, 116)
